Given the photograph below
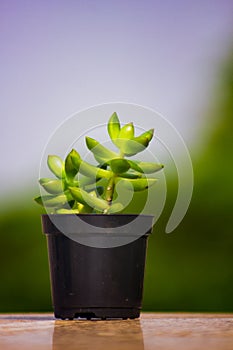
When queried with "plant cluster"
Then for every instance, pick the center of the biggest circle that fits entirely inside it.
(80, 187)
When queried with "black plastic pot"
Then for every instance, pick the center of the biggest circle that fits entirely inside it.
(92, 282)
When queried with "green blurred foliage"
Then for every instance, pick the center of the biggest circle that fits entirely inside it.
(191, 269)
(24, 263)
(187, 270)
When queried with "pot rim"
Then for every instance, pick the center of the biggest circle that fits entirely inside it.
(95, 214)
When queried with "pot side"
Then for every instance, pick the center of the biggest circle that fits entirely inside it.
(91, 282)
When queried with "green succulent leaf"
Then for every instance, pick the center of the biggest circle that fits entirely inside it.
(93, 187)
(135, 145)
(148, 134)
(115, 208)
(92, 171)
(85, 181)
(145, 167)
(114, 127)
(56, 165)
(75, 158)
(126, 132)
(52, 186)
(119, 165)
(67, 211)
(54, 201)
(80, 187)
(44, 180)
(70, 169)
(84, 209)
(99, 190)
(84, 197)
(101, 153)
(139, 143)
(77, 194)
(136, 184)
(131, 175)
(39, 200)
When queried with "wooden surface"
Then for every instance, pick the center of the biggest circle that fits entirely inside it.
(152, 331)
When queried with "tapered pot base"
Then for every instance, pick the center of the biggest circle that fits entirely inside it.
(98, 313)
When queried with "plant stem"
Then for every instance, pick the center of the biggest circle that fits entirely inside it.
(110, 190)
(111, 186)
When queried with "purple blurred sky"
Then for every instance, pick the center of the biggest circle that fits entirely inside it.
(58, 57)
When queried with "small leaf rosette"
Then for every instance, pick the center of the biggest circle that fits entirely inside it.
(80, 187)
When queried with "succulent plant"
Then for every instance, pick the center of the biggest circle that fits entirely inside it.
(80, 187)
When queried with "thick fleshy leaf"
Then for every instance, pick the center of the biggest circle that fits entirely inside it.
(148, 134)
(92, 171)
(119, 165)
(136, 145)
(84, 197)
(131, 175)
(93, 187)
(101, 153)
(126, 132)
(136, 184)
(53, 201)
(53, 186)
(67, 211)
(114, 127)
(115, 208)
(70, 169)
(56, 165)
(145, 167)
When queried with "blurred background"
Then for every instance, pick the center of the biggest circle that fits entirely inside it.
(58, 57)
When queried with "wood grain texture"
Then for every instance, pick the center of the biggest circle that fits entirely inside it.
(160, 331)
